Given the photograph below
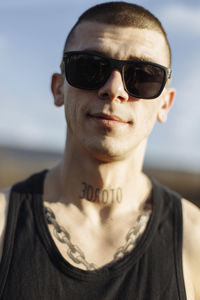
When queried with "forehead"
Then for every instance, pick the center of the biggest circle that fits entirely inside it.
(120, 42)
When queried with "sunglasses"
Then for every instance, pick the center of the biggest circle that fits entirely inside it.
(90, 71)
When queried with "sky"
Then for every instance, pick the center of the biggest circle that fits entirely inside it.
(32, 35)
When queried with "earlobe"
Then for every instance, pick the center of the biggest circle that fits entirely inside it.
(166, 104)
(57, 82)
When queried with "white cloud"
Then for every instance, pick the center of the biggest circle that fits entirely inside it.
(36, 125)
(187, 125)
(47, 4)
(182, 18)
(2, 44)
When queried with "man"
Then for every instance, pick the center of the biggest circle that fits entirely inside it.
(95, 226)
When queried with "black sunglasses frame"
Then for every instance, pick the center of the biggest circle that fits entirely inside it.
(115, 64)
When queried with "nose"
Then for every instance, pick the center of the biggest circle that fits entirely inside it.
(113, 89)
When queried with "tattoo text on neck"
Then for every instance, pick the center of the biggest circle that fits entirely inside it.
(105, 196)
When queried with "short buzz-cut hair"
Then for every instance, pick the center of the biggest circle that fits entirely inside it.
(121, 14)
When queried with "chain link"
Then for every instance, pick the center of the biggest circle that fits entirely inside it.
(77, 255)
(74, 252)
(133, 235)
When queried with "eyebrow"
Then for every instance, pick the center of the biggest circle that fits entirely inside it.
(141, 58)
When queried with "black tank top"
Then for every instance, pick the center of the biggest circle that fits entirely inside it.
(33, 269)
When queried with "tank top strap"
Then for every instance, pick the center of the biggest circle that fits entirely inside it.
(171, 205)
(20, 192)
(33, 184)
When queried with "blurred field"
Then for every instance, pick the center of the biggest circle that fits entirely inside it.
(17, 164)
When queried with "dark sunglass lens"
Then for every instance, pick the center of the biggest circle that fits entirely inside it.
(86, 71)
(144, 80)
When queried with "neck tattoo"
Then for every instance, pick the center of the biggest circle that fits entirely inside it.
(76, 254)
(105, 196)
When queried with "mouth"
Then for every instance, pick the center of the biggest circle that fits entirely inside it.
(108, 118)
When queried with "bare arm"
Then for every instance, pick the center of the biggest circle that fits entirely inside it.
(191, 247)
(4, 200)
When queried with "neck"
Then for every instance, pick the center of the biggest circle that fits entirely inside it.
(90, 183)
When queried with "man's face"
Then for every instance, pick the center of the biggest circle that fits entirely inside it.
(108, 122)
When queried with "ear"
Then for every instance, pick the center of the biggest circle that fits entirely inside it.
(167, 100)
(57, 82)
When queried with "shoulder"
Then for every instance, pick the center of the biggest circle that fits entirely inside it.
(191, 224)
(191, 242)
(4, 201)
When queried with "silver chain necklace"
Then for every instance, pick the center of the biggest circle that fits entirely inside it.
(77, 255)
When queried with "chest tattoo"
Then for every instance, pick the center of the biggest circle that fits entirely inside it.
(77, 255)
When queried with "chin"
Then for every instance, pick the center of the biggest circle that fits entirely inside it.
(109, 151)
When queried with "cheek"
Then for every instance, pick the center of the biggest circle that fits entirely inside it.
(71, 108)
(147, 114)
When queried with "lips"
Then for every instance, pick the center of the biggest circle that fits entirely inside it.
(108, 117)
